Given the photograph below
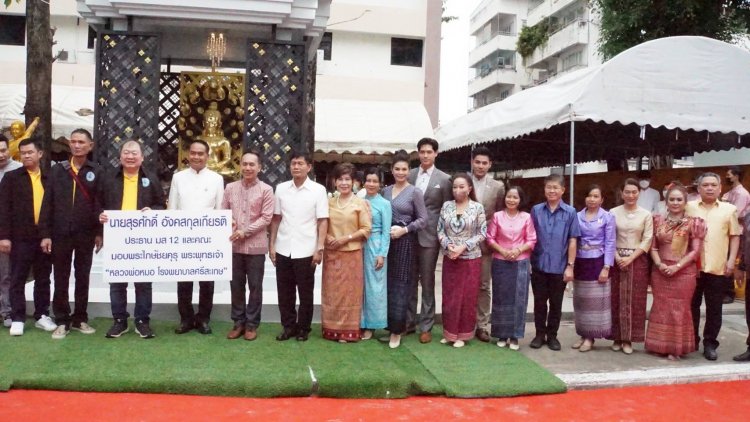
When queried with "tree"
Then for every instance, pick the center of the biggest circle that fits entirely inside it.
(626, 23)
(38, 68)
(446, 19)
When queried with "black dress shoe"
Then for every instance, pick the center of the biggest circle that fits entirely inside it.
(710, 353)
(553, 343)
(286, 335)
(483, 336)
(184, 328)
(302, 336)
(743, 357)
(203, 327)
(537, 342)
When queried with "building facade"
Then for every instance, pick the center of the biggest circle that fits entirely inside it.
(500, 71)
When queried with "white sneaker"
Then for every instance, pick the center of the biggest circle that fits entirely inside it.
(458, 343)
(45, 323)
(60, 332)
(83, 328)
(514, 345)
(16, 328)
(502, 343)
(7, 321)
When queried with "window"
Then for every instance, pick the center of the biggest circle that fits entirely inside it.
(406, 52)
(12, 30)
(325, 44)
(92, 38)
(572, 60)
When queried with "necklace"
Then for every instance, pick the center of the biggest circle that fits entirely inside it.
(338, 204)
(672, 219)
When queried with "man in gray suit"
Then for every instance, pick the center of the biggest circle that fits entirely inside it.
(488, 192)
(437, 188)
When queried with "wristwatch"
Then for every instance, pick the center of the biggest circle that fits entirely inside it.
(570, 264)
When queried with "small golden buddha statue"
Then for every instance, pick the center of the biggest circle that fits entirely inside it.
(220, 154)
(19, 132)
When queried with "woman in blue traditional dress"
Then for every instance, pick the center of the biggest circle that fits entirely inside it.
(409, 216)
(375, 307)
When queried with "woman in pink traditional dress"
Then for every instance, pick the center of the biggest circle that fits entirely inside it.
(677, 243)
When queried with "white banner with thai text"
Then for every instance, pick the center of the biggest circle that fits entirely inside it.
(160, 246)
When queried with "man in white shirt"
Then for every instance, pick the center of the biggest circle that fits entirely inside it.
(6, 164)
(649, 197)
(298, 231)
(196, 188)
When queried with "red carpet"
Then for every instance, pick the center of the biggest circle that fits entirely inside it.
(725, 401)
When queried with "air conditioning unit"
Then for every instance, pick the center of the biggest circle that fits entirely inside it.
(65, 56)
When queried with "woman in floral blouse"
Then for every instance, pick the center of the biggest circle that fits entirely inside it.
(461, 229)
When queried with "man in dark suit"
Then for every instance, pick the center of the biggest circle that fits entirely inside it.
(488, 191)
(70, 224)
(436, 188)
(21, 196)
(130, 188)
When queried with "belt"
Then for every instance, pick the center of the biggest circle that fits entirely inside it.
(625, 251)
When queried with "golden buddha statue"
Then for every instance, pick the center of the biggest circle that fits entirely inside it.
(19, 132)
(220, 153)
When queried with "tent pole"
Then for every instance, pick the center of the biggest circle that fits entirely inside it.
(572, 160)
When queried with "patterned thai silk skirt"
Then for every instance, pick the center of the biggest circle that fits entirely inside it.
(399, 282)
(343, 284)
(461, 279)
(592, 301)
(510, 296)
(629, 296)
(670, 323)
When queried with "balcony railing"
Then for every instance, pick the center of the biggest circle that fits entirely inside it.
(495, 34)
(486, 71)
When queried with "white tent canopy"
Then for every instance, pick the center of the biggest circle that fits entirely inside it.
(369, 126)
(678, 82)
(66, 100)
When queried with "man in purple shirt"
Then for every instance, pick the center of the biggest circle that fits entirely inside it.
(556, 225)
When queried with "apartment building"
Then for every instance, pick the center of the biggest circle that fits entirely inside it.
(500, 71)
(496, 66)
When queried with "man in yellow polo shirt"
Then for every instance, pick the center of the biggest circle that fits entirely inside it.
(717, 258)
(21, 195)
(130, 188)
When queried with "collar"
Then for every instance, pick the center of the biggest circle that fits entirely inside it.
(706, 205)
(476, 179)
(199, 173)
(428, 171)
(255, 182)
(305, 184)
(559, 206)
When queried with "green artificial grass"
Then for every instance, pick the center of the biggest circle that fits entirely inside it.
(212, 365)
(367, 369)
(483, 370)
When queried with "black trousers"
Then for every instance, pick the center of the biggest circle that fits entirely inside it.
(713, 288)
(247, 270)
(26, 255)
(547, 288)
(295, 276)
(82, 244)
(185, 301)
